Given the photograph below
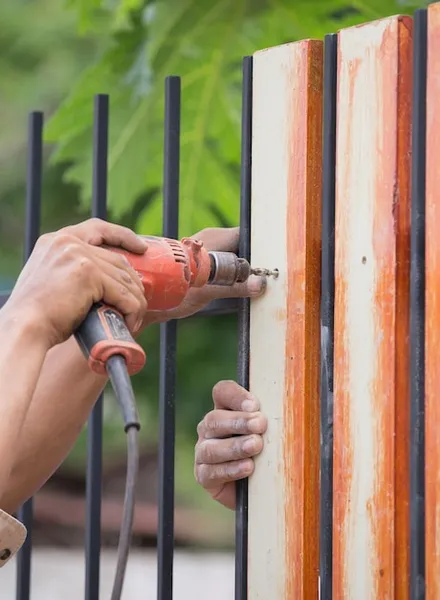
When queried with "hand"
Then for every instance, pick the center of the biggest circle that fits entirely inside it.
(229, 437)
(222, 240)
(68, 272)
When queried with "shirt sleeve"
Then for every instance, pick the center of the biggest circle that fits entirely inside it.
(12, 536)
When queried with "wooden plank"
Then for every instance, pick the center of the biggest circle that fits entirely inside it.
(371, 404)
(285, 331)
(432, 310)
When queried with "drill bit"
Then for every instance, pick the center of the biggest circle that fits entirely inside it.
(265, 272)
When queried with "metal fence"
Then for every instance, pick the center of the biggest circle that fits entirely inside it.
(168, 337)
(168, 342)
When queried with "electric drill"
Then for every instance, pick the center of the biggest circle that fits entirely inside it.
(168, 269)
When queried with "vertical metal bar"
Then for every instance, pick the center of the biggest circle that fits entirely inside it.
(94, 432)
(327, 313)
(168, 347)
(417, 311)
(32, 232)
(241, 515)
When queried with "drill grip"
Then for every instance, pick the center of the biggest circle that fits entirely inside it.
(104, 333)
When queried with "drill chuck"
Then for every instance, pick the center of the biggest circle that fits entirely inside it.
(227, 269)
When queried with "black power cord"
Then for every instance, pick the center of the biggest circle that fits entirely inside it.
(121, 383)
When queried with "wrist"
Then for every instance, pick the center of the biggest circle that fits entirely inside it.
(22, 324)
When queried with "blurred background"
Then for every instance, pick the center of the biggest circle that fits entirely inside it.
(54, 56)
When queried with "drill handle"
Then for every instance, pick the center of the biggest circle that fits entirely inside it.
(104, 333)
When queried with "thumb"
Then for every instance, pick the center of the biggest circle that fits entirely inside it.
(254, 287)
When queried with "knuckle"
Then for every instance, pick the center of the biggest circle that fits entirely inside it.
(123, 291)
(206, 452)
(84, 267)
(143, 306)
(201, 428)
(200, 474)
(236, 450)
(95, 222)
(209, 474)
(65, 240)
(45, 239)
(125, 278)
(211, 422)
(121, 260)
(126, 231)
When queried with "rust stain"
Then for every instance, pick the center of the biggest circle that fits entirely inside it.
(391, 386)
(387, 509)
(281, 314)
(301, 412)
(432, 340)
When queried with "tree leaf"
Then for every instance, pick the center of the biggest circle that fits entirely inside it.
(204, 43)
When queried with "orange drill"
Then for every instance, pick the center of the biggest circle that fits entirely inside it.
(168, 269)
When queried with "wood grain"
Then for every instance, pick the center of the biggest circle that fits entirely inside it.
(371, 404)
(432, 310)
(285, 330)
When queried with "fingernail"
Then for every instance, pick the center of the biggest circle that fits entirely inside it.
(138, 325)
(246, 466)
(249, 446)
(143, 241)
(256, 285)
(256, 425)
(234, 470)
(250, 405)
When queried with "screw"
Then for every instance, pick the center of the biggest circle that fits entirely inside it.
(265, 272)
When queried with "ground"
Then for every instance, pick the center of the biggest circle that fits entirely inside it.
(60, 574)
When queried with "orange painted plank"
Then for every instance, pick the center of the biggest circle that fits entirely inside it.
(371, 382)
(285, 330)
(432, 310)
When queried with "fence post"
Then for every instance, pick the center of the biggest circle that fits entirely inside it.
(371, 404)
(285, 331)
(432, 377)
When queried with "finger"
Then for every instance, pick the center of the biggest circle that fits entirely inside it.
(97, 232)
(123, 274)
(212, 451)
(135, 311)
(118, 294)
(252, 288)
(227, 423)
(121, 262)
(228, 394)
(220, 239)
(211, 476)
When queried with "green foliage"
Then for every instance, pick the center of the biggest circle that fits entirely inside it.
(203, 42)
(40, 56)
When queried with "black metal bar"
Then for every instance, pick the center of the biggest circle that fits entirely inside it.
(168, 350)
(32, 232)
(94, 432)
(241, 514)
(327, 314)
(417, 312)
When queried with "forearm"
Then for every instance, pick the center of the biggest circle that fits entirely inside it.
(22, 354)
(64, 397)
